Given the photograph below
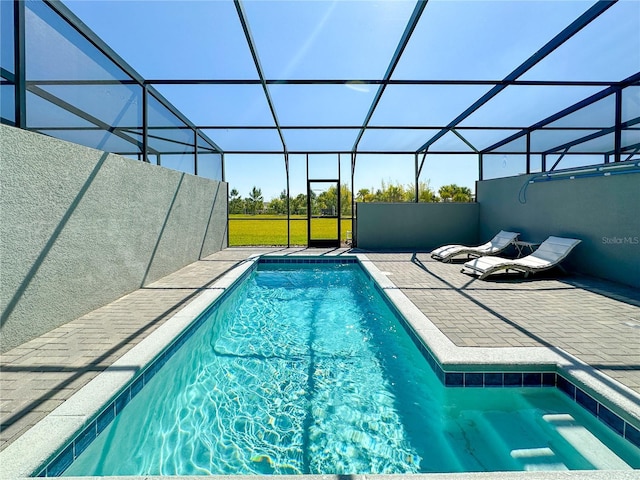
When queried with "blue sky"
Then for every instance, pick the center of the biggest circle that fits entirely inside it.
(355, 39)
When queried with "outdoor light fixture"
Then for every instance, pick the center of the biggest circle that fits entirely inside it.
(605, 170)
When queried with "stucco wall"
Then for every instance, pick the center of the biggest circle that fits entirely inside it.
(415, 226)
(601, 211)
(79, 228)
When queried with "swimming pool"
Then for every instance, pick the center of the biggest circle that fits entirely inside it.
(48, 448)
(305, 387)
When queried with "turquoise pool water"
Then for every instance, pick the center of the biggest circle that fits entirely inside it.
(305, 369)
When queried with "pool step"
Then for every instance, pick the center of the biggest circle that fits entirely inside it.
(484, 445)
(584, 442)
(548, 441)
(528, 447)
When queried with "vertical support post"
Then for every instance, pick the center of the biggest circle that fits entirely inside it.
(222, 166)
(480, 169)
(543, 166)
(417, 173)
(528, 157)
(227, 197)
(145, 126)
(308, 203)
(618, 128)
(19, 64)
(339, 195)
(286, 166)
(195, 151)
(353, 200)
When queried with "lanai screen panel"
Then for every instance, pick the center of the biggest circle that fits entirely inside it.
(175, 39)
(320, 140)
(325, 39)
(424, 105)
(320, 105)
(608, 49)
(292, 76)
(221, 105)
(394, 139)
(481, 40)
(246, 139)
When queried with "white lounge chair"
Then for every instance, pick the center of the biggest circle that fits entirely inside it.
(548, 255)
(493, 247)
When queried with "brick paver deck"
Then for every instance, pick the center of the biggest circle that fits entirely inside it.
(597, 321)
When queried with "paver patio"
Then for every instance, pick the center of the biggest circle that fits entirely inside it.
(594, 320)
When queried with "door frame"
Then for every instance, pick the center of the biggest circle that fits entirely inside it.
(323, 242)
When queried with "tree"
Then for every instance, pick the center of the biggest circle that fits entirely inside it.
(396, 192)
(255, 202)
(446, 192)
(463, 195)
(298, 205)
(364, 195)
(455, 193)
(425, 193)
(236, 205)
(391, 193)
(325, 203)
(277, 206)
(345, 200)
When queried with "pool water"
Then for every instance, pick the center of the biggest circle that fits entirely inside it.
(305, 369)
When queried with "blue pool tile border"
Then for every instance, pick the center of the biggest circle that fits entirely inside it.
(453, 379)
(309, 261)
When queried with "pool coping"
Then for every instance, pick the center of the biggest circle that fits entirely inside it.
(49, 436)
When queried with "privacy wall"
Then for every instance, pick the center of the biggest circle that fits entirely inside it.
(415, 226)
(602, 211)
(80, 228)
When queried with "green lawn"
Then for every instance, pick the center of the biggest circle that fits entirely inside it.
(272, 229)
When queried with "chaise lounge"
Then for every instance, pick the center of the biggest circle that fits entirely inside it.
(493, 247)
(550, 253)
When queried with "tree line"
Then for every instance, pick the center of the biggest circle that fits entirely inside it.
(326, 202)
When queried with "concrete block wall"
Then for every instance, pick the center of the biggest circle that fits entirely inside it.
(416, 226)
(602, 211)
(79, 228)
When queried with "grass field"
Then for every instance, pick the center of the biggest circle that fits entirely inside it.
(247, 230)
